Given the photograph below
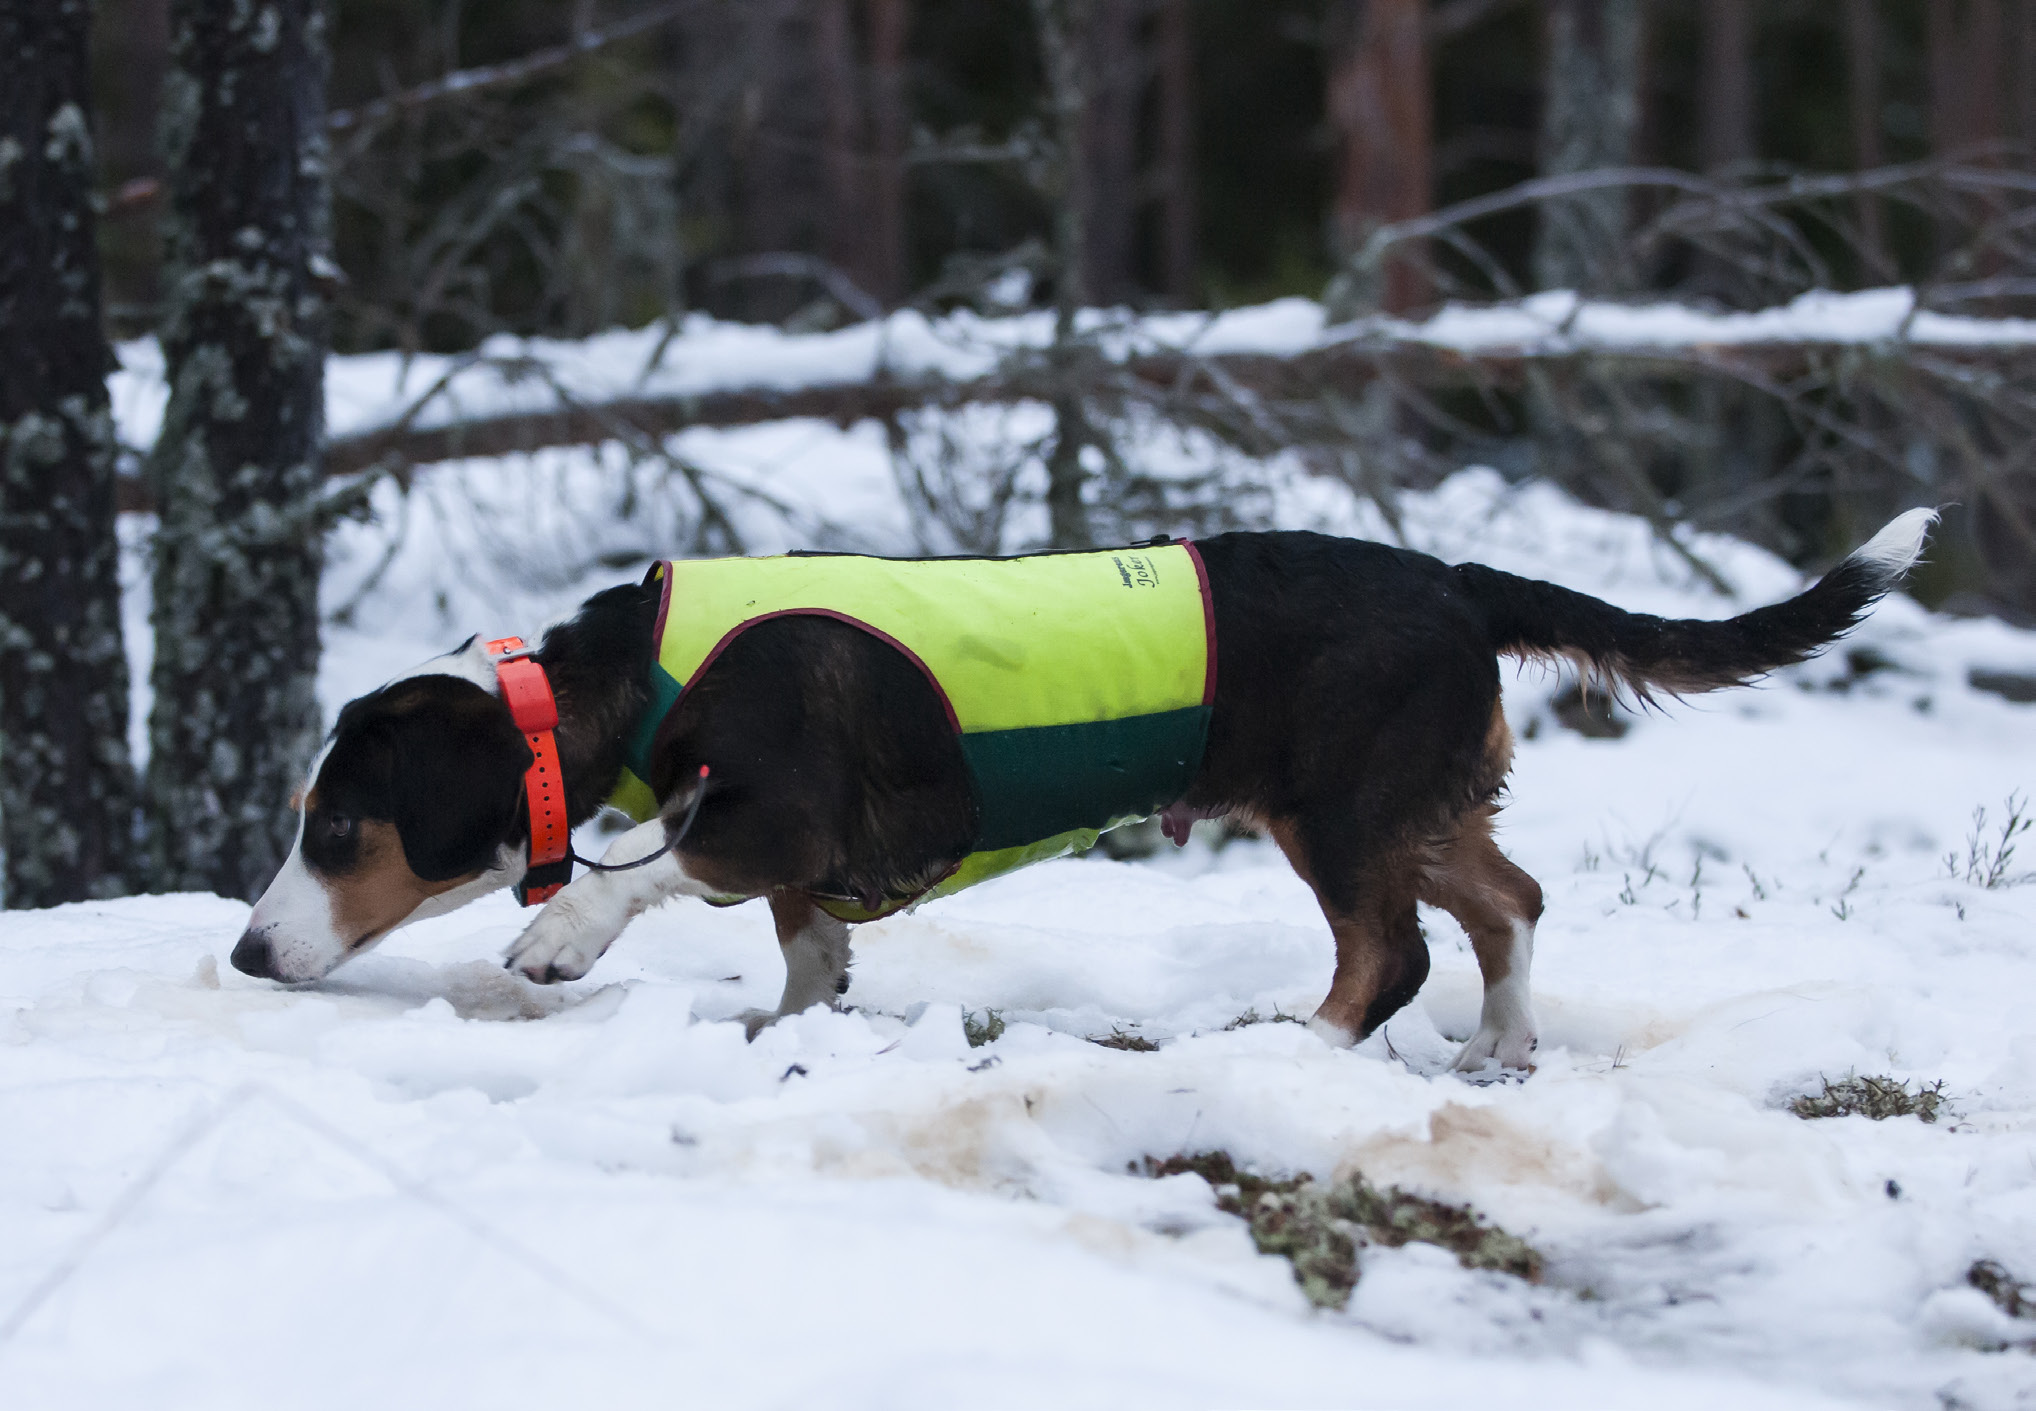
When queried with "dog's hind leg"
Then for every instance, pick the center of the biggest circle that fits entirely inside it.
(815, 946)
(583, 920)
(1497, 905)
(1381, 958)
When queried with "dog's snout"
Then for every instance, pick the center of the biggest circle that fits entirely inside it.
(253, 955)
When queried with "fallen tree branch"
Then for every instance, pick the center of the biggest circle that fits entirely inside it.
(467, 81)
(1240, 388)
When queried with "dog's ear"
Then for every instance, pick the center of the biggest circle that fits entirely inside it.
(457, 773)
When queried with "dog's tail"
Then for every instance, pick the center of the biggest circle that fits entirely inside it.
(1645, 655)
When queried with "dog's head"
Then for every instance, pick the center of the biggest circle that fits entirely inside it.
(407, 814)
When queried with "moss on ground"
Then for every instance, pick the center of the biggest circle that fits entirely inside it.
(1319, 1226)
(985, 1030)
(1878, 1098)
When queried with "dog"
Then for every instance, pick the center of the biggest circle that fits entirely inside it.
(1352, 714)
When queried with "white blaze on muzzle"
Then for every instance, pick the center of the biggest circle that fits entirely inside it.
(292, 936)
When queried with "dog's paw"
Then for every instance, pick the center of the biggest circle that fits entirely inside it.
(755, 1021)
(1334, 1035)
(549, 951)
(1496, 1054)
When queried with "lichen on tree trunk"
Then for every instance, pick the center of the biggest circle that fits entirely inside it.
(236, 470)
(66, 783)
(1590, 115)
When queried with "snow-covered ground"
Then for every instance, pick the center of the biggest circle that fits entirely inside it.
(427, 1183)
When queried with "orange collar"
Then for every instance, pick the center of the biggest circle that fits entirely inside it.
(527, 693)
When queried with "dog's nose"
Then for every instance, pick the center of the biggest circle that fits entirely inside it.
(252, 956)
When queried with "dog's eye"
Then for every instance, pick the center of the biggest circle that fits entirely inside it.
(338, 825)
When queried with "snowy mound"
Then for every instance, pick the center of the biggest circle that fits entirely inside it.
(424, 1182)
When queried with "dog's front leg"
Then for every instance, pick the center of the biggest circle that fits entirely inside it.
(815, 946)
(583, 920)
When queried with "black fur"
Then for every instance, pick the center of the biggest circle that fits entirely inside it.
(435, 755)
(1644, 653)
(835, 769)
(598, 664)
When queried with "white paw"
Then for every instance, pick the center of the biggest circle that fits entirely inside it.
(755, 1021)
(1334, 1035)
(552, 949)
(1504, 1050)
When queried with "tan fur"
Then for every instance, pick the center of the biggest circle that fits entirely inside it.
(1364, 966)
(1482, 888)
(380, 889)
(1368, 945)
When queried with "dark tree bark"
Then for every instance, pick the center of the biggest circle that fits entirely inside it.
(889, 124)
(1062, 27)
(1968, 40)
(1863, 57)
(236, 470)
(1178, 213)
(1590, 114)
(863, 132)
(775, 142)
(2025, 73)
(66, 783)
(1728, 101)
(1111, 85)
(1381, 106)
(131, 45)
(1968, 47)
(841, 141)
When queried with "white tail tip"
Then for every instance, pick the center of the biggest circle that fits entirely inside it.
(1896, 548)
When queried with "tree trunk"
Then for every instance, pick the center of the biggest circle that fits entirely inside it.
(66, 783)
(130, 46)
(889, 123)
(1863, 55)
(2025, 74)
(1381, 106)
(841, 147)
(1590, 113)
(1062, 27)
(236, 469)
(1177, 210)
(774, 144)
(1109, 136)
(1728, 117)
(1967, 40)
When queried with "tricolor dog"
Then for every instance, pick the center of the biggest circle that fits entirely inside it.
(843, 736)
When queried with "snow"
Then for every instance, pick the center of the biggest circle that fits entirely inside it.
(508, 375)
(1557, 321)
(424, 1181)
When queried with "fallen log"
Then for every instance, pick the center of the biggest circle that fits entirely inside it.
(1285, 387)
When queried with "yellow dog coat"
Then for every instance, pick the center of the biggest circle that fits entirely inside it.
(1080, 684)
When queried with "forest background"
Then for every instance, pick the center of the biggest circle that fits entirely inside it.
(259, 184)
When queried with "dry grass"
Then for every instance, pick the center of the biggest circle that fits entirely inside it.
(2009, 1294)
(1252, 1016)
(1878, 1098)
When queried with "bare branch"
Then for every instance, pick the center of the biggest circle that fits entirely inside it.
(474, 80)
